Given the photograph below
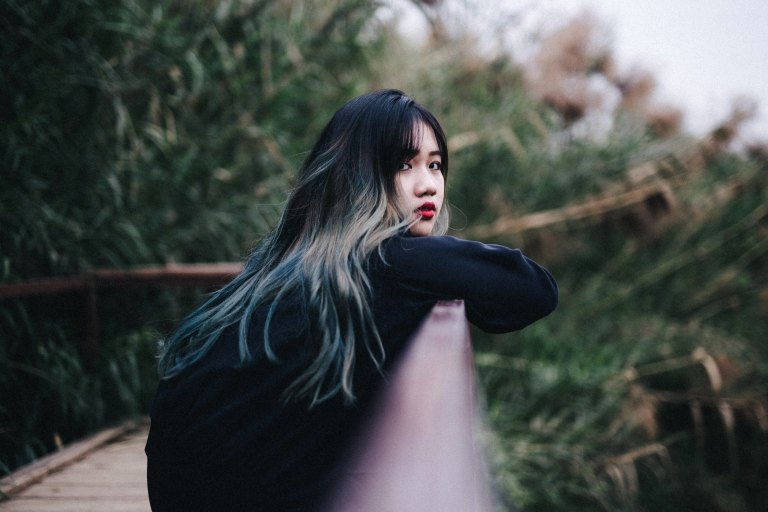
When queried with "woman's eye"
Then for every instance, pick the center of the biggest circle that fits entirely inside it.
(404, 166)
(436, 166)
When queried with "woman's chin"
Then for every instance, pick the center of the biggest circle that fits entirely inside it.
(422, 228)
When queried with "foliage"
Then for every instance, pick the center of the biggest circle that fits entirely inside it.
(146, 132)
(139, 132)
(136, 126)
(638, 294)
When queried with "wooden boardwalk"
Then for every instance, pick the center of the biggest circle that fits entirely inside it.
(110, 478)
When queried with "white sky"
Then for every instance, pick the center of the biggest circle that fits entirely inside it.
(704, 54)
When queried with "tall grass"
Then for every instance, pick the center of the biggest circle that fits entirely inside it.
(146, 132)
(139, 132)
(560, 400)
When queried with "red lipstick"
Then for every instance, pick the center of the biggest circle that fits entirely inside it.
(427, 210)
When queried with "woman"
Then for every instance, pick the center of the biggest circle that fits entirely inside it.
(266, 384)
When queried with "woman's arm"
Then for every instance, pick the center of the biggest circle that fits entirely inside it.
(502, 289)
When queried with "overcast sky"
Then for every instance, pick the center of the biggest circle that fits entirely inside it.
(703, 53)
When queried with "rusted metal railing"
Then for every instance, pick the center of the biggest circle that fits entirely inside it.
(88, 286)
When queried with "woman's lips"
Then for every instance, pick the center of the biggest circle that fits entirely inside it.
(427, 210)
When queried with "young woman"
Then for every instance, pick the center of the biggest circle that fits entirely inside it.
(266, 385)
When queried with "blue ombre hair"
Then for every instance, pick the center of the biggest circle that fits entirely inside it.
(342, 208)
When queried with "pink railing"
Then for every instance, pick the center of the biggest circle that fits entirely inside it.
(425, 451)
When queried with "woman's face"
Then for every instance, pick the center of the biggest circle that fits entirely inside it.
(420, 184)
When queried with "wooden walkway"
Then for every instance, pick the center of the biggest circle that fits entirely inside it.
(110, 478)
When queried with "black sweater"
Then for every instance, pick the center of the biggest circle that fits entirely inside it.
(221, 439)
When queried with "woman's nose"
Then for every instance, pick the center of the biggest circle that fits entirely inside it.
(425, 184)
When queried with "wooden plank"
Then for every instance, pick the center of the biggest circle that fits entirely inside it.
(37, 470)
(75, 505)
(109, 478)
(105, 490)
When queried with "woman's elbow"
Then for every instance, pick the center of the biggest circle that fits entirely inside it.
(545, 292)
(542, 300)
(515, 315)
(550, 297)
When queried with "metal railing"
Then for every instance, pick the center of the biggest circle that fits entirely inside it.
(87, 287)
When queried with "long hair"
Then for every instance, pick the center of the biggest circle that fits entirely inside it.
(342, 208)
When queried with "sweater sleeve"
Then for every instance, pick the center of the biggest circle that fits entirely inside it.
(502, 289)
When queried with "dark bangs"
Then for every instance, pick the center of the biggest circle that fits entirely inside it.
(407, 120)
(430, 120)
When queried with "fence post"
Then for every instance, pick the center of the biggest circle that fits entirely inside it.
(91, 325)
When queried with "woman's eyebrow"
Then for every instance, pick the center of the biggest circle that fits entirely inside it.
(410, 153)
